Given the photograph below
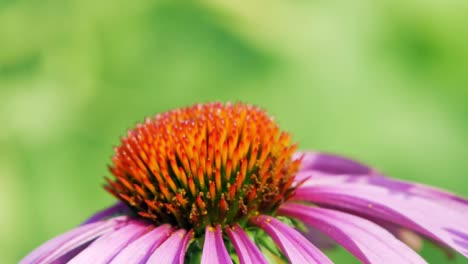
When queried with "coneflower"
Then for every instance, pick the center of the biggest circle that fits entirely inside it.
(221, 183)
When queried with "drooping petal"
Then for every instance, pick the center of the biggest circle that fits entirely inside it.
(367, 241)
(296, 248)
(443, 220)
(140, 250)
(316, 164)
(214, 250)
(172, 251)
(442, 196)
(331, 164)
(246, 250)
(105, 248)
(72, 240)
(118, 209)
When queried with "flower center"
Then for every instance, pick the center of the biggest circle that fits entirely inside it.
(207, 164)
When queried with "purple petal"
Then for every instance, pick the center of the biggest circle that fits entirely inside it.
(105, 248)
(140, 250)
(214, 250)
(331, 164)
(367, 241)
(246, 250)
(172, 251)
(118, 209)
(63, 244)
(296, 248)
(442, 219)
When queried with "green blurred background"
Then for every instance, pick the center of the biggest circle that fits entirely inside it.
(385, 82)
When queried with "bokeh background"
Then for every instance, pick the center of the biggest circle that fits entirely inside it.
(385, 82)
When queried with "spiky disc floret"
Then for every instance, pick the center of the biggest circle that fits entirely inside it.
(204, 165)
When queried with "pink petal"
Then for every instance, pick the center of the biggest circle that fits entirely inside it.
(413, 207)
(317, 163)
(105, 248)
(367, 241)
(441, 196)
(61, 245)
(296, 248)
(172, 251)
(214, 250)
(140, 250)
(331, 164)
(246, 250)
(183, 247)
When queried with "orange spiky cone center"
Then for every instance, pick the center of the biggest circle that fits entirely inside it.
(204, 165)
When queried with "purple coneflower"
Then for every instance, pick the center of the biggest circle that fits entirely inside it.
(220, 183)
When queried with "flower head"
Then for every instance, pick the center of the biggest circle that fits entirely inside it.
(204, 165)
(217, 183)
